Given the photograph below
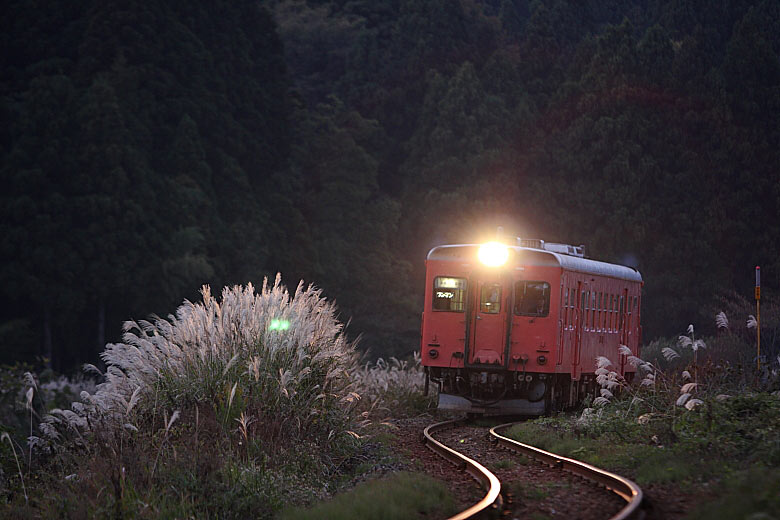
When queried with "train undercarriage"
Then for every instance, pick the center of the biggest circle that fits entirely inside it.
(501, 392)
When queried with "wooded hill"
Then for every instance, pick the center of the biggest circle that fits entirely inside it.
(148, 148)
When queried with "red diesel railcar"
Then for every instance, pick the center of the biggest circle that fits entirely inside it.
(516, 329)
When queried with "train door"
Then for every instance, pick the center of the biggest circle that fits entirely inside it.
(562, 319)
(576, 352)
(623, 326)
(488, 337)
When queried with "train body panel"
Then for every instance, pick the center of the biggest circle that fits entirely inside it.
(527, 331)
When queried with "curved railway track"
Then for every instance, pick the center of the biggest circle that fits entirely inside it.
(493, 502)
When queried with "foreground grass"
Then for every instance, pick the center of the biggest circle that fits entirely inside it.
(731, 447)
(196, 470)
(233, 407)
(401, 495)
(753, 494)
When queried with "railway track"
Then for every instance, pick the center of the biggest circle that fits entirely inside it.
(559, 486)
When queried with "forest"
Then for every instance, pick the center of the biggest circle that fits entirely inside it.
(149, 148)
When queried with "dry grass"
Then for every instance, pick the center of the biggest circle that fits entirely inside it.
(231, 353)
(228, 408)
(391, 386)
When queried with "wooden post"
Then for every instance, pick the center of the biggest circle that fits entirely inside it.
(758, 317)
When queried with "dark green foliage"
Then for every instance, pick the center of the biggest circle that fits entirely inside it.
(164, 146)
(715, 443)
(730, 446)
(751, 494)
(143, 160)
(403, 495)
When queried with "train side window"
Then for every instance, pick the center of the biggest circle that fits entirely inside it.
(572, 298)
(588, 306)
(593, 311)
(615, 314)
(628, 314)
(532, 298)
(611, 316)
(490, 299)
(620, 315)
(601, 312)
(449, 294)
(573, 303)
(589, 317)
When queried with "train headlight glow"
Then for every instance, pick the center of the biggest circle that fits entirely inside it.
(493, 254)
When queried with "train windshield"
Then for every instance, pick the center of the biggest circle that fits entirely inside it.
(449, 294)
(532, 298)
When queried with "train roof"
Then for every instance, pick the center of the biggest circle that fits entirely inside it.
(541, 257)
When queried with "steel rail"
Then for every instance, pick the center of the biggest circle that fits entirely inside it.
(625, 488)
(492, 500)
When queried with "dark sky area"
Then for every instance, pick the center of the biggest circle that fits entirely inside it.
(148, 148)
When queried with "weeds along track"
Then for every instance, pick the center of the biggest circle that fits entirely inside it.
(556, 487)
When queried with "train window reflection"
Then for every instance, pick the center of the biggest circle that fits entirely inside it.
(532, 298)
(490, 299)
(449, 294)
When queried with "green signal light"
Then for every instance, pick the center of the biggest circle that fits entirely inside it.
(279, 325)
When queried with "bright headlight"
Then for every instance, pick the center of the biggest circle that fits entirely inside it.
(493, 254)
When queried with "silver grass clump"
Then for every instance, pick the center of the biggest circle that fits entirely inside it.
(590, 415)
(386, 384)
(693, 403)
(693, 344)
(287, 351)
(721, 321)
(609, 380)
(669, 353)
(751, 322)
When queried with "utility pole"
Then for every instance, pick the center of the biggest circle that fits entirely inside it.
(758, 317)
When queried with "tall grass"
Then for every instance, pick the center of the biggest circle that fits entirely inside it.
(231, 353)
(392, 387)
(227, 408)
(673, 398)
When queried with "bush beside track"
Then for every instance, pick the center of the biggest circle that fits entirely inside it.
(234, 407)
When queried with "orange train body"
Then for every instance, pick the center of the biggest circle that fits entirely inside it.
(523, 337)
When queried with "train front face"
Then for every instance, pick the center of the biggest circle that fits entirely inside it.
(488, 331)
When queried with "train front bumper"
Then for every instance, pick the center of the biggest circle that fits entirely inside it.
(457, 403)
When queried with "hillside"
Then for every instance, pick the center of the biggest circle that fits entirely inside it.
(148, 149)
